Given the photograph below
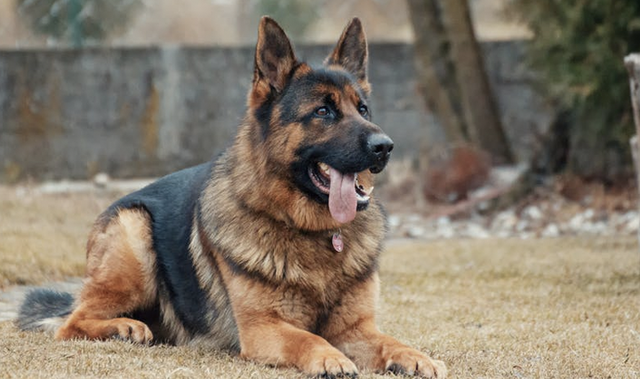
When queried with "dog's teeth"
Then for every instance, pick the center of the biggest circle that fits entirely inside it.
(365, 191)
(324, 167)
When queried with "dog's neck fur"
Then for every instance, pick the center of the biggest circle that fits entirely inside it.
(238, 202)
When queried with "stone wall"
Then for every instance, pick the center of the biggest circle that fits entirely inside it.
(149, 111)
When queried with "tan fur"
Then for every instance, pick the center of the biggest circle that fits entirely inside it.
(120, 278)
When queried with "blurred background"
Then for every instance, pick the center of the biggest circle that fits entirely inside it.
(511, 121)
(52, 23)
(493, 104)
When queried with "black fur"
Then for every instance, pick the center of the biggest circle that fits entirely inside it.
(341, 154)
(306, 88)
(171, 202)
(41, 304)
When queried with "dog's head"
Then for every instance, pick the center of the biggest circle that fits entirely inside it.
(315, 122)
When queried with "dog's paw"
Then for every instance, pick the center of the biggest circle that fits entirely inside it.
(331, 365)
(411, 362)
(132, 330)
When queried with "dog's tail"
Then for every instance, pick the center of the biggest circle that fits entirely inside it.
(44, 310)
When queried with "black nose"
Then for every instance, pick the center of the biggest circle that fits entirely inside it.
(380, 145)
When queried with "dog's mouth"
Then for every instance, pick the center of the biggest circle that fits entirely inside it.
(346, 195)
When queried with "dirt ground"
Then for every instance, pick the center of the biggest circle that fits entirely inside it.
(496, 308)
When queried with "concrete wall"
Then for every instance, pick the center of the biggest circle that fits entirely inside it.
(149, 111)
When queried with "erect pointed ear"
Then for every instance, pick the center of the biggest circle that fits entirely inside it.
(274, 55)
(351, 51)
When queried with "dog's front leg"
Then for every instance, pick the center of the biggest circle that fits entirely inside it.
(352, 329)
(267, 336)
(276, 342)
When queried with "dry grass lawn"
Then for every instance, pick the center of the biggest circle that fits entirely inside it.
(553, 308)
(42, 237)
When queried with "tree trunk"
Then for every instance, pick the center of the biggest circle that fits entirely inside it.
(632, 62)
(479, 108)
(436, 79)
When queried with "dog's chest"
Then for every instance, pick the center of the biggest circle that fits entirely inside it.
(321, 265)
(308, 307)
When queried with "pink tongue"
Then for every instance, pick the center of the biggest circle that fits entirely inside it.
(342, 196)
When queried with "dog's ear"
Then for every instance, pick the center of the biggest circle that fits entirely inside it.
(274, 58)
(351, 52)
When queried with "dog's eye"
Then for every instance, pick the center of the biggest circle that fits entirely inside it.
(364, 110)
(322, 112)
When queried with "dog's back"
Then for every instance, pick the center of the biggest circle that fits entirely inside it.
(162, 215)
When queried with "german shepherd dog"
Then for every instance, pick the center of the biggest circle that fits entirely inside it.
(271, 250)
